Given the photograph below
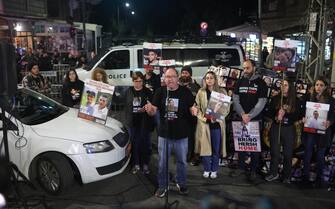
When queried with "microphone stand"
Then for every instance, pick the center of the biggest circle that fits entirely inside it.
(167, 205)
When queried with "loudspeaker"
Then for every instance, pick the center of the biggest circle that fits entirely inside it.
(8, 77)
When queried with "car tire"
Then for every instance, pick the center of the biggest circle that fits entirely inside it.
(54, 173)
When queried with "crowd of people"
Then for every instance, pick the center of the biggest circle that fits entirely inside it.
(177, 111)
(46, 60)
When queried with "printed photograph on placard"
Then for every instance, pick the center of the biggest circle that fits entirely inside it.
(218, 105)
(285, 55)
(268, 80)
(235, 73)
(246, 136)
(333, 93)
(152, 53)
(316, 117)
(95, 101)
(223, 71)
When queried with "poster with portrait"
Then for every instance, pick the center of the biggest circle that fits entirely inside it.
(333, 92)
(234, 73)
(316, 117)
(246, 136)
(222, 73)
(218, 104)
(285, 55)
(163, 65)
(152, 53)
(95, 101)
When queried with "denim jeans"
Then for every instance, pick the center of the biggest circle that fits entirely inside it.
(180, 147)
(141, 146)
(310, 141)
(211, 163)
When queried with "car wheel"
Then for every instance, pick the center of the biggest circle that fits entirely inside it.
(54, 173)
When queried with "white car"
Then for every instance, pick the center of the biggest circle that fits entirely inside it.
(52, 146)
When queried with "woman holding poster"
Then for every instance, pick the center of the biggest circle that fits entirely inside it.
(210, 136)
(284, 114)
(322, 141)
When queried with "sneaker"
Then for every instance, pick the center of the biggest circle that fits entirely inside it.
(182, 189)
(135, 169)
(161, 192)
(146, 169)
(206, 174)
(195, 162)
(272, 177)
(214, 175)
(236, 173)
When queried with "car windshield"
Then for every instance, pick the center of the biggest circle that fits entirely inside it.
(32, 108)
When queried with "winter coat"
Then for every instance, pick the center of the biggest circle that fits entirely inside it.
(202, 134)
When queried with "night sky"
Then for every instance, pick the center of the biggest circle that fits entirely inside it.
(169, 17)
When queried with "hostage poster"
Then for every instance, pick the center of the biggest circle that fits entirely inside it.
(285, 55)
(316, 117)
(152, 53)
(218, 106)
(95, 101)
(246, 137)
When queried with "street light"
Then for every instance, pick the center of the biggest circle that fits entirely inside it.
(133, 12)
(127, 4)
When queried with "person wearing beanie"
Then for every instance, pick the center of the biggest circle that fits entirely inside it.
(185, 79)
(35, 81)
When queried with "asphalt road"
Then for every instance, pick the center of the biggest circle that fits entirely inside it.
(128, 191)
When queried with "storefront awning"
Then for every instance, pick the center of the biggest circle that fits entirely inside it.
(240, 31)
(282, 24)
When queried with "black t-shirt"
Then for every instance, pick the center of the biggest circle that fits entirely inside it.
(137, 105)
(249, 92)
(173, 116)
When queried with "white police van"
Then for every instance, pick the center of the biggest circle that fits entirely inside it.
(119, 62)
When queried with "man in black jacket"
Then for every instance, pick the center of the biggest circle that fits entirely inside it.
(249, 100)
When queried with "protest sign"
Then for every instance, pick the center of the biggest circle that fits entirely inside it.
(218, 105)
(246, 136)
(316, 117)
(96, 101)
(152, 53)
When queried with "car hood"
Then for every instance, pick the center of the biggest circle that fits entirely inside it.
(70, 127)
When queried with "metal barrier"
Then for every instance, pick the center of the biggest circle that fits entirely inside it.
(56, 79)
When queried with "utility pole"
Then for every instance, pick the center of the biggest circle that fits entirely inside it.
(260, 33)
(316, 38)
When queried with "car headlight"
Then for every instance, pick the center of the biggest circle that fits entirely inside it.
(96, 147)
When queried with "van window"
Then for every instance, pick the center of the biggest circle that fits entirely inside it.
(173, 54)
(116, 60)
(168, 54)
(228, 57)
